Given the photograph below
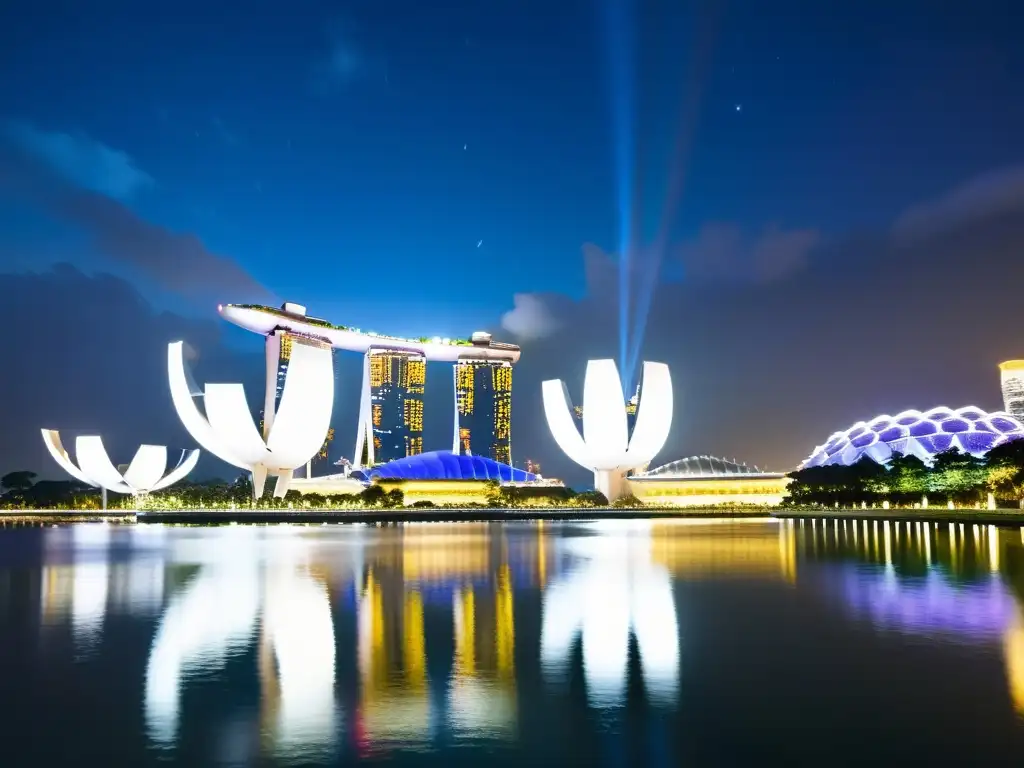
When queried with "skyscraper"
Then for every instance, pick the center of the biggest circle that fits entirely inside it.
(631, 407)
(483, 409)
(396, 385)
(1011, 374)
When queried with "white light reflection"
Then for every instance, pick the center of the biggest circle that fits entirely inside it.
(210, 620)
(297, 618)
(615, 592)
(89, 584)
(216, 616)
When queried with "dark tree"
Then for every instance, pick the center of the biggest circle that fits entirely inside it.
(17, 481)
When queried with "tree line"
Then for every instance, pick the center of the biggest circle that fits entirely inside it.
(906, 480)
(22, 490)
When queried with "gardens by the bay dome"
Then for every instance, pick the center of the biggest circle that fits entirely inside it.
(918, 433)
(445, 465)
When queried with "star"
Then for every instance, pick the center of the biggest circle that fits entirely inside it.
(739, 107)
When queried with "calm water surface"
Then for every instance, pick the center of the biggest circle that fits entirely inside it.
(620, 643)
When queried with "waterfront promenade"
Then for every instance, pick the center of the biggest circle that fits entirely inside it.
(370, 516)
(1008, 516)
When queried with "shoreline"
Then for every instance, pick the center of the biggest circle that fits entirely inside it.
(389, 516)
(1005, 517)
(367, 516)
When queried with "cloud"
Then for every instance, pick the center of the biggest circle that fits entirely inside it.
(722, 252)
(532, 316)
(538, 315)
(177, 261)
(82, 161)
(983, 197)
(766, 370)
(719, 253)
(92, 359)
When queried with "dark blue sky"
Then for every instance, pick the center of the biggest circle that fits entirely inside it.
(410, 167)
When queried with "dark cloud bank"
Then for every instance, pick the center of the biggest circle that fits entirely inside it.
(769, 357)
(774, 341)
(61, 176)
(88, 355)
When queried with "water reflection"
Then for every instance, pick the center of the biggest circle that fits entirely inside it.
(299, 645)
(232, 603)
(613, 591)
(954, 582)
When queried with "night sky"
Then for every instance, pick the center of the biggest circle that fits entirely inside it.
(822, 203)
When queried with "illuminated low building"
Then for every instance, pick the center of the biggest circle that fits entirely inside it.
(706, 481)
(444, 478)
(440, 477)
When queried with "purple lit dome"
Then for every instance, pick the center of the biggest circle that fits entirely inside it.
(445, 465)
(922, 434)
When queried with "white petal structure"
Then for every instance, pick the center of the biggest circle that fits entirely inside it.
(606, 446)
(295, 431)
(144, 474)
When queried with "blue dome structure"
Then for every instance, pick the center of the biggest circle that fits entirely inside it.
(921, 434)
(445, 465)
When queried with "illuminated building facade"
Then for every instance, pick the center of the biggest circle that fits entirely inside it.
(480, 352)
(483, 409)
(632, 405)
(707, 481)
(1011, 375)
(391, 427)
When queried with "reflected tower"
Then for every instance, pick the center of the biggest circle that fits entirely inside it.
(482, 691)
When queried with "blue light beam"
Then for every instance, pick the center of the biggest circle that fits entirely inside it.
(619, 36)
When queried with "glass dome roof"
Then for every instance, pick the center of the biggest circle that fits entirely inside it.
(700, 467)
(920, 433)
(445, 465)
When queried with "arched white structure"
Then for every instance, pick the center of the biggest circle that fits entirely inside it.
(606, 446)
(144, 474)
(297, 428)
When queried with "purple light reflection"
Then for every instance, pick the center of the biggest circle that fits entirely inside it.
(929, 605)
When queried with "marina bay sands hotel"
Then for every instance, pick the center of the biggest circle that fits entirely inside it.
(394, 381)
